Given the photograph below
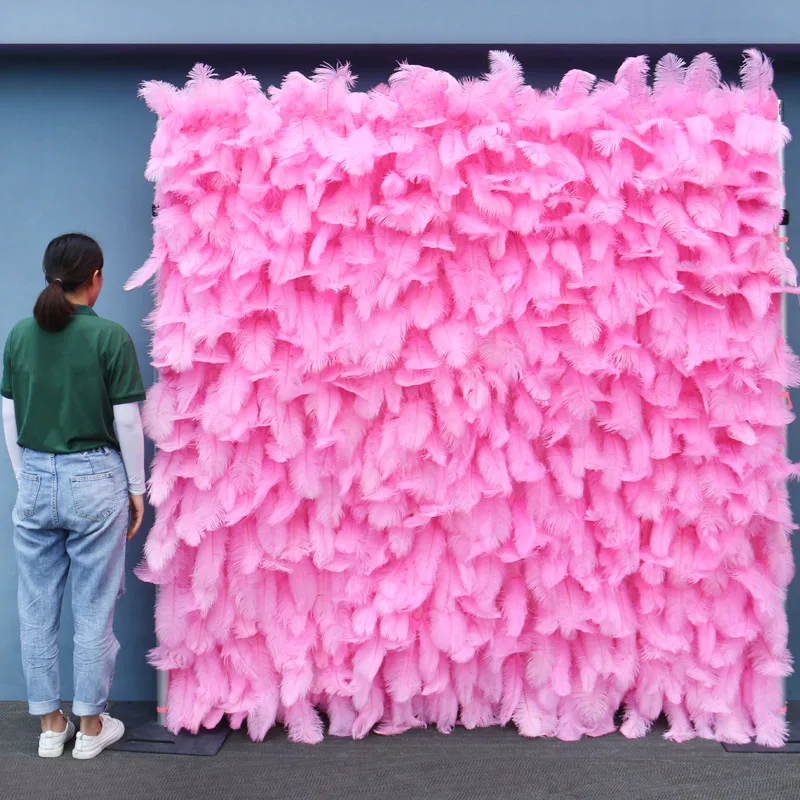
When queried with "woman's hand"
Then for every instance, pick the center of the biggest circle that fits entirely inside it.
(137, 514)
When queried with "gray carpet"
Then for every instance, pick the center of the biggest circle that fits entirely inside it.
(489, 764)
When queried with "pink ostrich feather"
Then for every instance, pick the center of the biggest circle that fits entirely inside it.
(470, 402)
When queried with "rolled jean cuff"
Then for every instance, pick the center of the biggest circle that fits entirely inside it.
(80, 709)
(42, 707)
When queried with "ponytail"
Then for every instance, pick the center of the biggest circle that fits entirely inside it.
(53, 311)
(70, 262)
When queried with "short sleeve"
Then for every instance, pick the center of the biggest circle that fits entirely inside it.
(124, 379)
(5, 386)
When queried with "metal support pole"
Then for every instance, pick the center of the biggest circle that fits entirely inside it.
(162, 676)
(147, 733)
(790, 709)
(782, 228)
(782, 240)
(162, 688)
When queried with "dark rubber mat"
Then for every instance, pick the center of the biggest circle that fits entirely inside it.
(143, 734)
(792, 745)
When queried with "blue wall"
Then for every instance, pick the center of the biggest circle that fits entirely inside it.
(74, 140)
(398, 21)
(73, 144)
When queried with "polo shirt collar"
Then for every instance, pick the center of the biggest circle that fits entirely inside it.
(85, 311)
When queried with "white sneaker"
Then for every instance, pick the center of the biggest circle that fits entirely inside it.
(90, 746)
(51, 743)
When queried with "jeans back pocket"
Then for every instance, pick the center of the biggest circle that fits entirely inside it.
(95, 496)
(27, 495)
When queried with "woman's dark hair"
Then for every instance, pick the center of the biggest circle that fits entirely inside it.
(70, 262)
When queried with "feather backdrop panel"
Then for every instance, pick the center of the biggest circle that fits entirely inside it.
(470, 408)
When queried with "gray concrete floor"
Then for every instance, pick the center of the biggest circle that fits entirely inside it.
(493, 763)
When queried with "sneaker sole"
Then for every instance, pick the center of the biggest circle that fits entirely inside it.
(54, 753)
(86, 755)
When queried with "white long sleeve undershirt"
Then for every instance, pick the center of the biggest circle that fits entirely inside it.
(10, 431)
(128, 424)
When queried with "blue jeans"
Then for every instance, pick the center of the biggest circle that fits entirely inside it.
(71, 516)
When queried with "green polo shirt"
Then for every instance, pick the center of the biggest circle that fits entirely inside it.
(65, 385)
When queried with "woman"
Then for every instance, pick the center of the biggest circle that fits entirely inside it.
(71, 389)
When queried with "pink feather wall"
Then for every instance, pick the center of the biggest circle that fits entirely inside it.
(470, 407)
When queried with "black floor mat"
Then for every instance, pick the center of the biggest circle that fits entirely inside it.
(792, 745)
(143, 734)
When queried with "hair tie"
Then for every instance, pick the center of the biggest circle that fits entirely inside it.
(57, 280)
